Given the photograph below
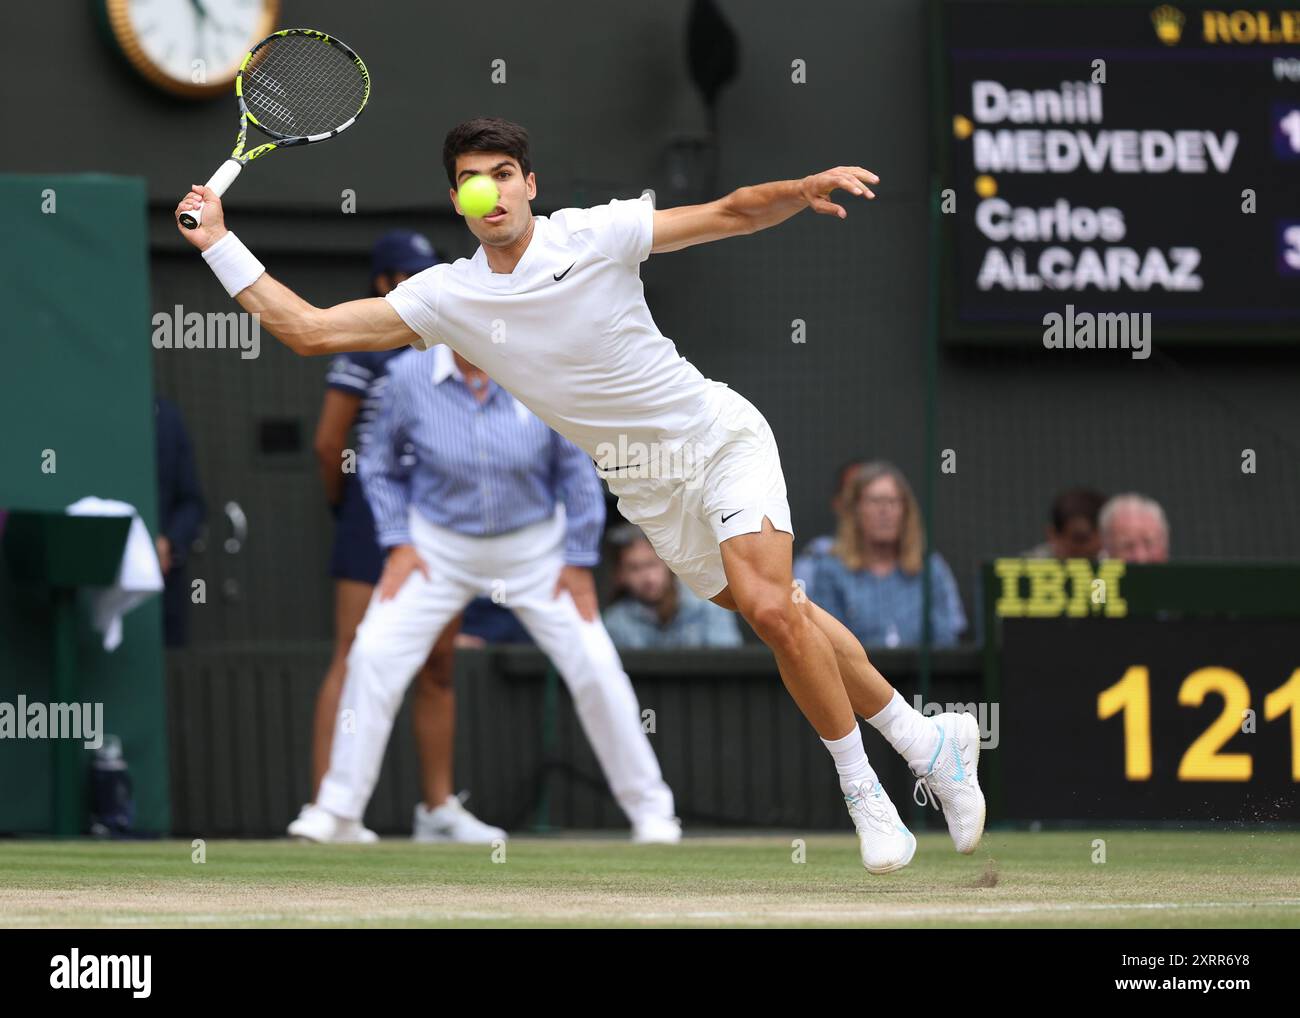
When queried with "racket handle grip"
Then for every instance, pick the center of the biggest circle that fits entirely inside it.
(219, 181)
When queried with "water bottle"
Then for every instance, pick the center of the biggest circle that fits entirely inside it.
(112, 803)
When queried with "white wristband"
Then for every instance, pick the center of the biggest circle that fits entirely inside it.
(236, 267)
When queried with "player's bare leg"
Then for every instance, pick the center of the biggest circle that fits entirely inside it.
(868, 690)
(943, 752)
(759, 586)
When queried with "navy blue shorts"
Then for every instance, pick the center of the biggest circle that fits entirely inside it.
(356, 555)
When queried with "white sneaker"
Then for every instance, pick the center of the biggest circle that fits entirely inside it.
(453, 822)
(316, 824)
(952, 780)
(886, 845)
(653, 830)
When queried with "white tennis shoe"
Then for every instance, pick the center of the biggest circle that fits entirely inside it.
(452, 822)
(656, 830)
(886, 845)
(316, 824)
(951, 780)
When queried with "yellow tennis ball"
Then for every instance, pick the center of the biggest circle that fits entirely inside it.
(478, 196)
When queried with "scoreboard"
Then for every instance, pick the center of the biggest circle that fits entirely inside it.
(1150, 720)
(1158, 693)
(1118, 159)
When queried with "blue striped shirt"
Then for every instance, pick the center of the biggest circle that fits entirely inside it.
(480, 469)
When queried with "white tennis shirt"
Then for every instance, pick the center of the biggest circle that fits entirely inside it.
(568, 333)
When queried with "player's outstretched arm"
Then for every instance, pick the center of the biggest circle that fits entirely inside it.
(755, 208)
(356, 325)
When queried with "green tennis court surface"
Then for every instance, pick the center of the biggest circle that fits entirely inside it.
(1174, 879)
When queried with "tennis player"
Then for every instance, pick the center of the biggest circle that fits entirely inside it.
(553, 309)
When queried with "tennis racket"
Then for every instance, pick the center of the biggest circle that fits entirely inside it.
(298, 87)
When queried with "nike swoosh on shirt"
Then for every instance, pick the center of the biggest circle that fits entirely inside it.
(736, 513)
(564, 273)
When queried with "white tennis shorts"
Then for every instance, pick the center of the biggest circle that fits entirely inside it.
(719, 483)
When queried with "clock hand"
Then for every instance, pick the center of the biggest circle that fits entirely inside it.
(217, 23)
(199, 32)
(200, 16)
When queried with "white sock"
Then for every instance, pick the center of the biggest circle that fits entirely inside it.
(850, 760)
(915, 736)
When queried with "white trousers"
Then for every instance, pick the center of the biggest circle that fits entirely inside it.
(395, 638)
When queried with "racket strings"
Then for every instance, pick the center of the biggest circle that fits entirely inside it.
(298, 86)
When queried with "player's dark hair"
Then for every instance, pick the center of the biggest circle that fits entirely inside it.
(1074, 503)
(486, 134)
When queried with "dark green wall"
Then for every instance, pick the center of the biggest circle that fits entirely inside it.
(604, 94)
(78, 381)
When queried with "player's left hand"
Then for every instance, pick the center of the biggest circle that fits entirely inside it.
(817, 187)
(580, 584)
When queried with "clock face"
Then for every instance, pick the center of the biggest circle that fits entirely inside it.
(193, 47)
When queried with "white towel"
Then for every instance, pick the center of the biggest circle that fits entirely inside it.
(138, 576)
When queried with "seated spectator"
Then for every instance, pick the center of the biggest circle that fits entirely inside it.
(653, 608)
(805, 563)
(1072, 530)
(1133, 528)
(871, 580)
